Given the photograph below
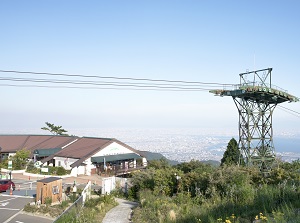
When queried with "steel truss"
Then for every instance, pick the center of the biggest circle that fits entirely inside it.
(256, 99)
(256, 132)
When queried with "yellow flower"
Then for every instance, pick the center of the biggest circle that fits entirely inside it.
(227, 221)
(256, 217)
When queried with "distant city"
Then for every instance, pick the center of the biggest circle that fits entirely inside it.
(186, 144)
(182, 145)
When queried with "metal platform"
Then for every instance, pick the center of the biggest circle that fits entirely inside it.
(256, 101)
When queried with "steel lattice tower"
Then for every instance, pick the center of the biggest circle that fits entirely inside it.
(256, 100)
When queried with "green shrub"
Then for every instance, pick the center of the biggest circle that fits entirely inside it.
(30, 208)
(60, 171)
(64, 204)
(48, 201)
(73, 198)
(32, 169)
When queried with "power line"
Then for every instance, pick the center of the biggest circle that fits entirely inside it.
(290, 111)
(119, 84)
(98, 88)
(122, 82)
(111, 77)
(167, 85)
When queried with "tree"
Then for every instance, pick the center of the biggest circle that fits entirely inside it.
(162, 163)
(232, 155)
(55, 130)
(19, 160)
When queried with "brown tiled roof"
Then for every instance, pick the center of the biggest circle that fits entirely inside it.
(96, 149)
(73, 147)
(13, 143)
(83, 147)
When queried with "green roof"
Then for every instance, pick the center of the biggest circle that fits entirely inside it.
(46, 152)
(109, 158)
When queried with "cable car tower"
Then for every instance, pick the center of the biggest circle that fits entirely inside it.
(256, 98)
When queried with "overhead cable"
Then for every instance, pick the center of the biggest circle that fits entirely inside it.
(110, 77)
(104, 83)
(97, 88)
(290, 111)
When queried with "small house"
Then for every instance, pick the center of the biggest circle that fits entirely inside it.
(49, 187)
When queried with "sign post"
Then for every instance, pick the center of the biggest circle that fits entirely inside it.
(9, 164)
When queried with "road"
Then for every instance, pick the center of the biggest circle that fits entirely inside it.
(25, 218)
(11, 205)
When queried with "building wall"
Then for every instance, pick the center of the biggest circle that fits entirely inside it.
(64, 162)
(86, 168)
(80, 170)
(113, 149)
(44, 190)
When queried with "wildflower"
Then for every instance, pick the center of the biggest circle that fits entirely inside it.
(172, 215)
(227, 221)
(256, 217)
(232, 216)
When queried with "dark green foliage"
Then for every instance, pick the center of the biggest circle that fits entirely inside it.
(232, 155)
(159, 164)
(160, 181)
(19, 160)
(207, 193)
(48, 201)
(196, 177)
(32, 169)
(55, 129)
(52, 170)
(60, 171)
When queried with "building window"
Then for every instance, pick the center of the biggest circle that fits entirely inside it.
(4, 156)
(55, 190)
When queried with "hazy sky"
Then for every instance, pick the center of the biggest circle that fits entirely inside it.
(204, 41)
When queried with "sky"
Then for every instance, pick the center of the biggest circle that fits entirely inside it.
(199, 41)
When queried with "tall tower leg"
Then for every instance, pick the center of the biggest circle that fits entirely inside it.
(256, 132)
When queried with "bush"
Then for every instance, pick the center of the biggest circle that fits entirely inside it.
(206, 194)
(60, 171)
(64, 205)
(48, 201)
(30, 208)
(32, 169)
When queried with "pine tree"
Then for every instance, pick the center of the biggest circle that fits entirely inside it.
(232, 155)
(55, 130)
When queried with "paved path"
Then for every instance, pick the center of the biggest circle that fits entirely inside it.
(120, 213)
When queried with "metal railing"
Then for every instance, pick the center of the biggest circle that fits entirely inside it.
(117, 170)
(260, 84)
(79, 203)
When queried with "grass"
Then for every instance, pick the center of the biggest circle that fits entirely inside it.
(270, 204)
(94, 211)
